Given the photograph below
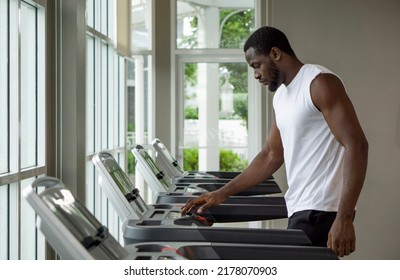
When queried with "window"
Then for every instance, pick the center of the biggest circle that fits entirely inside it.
(22, 122)
(213, 84)
(105, 104)
(139, 83)
(222, 115)
(218, 24)
(141, 25)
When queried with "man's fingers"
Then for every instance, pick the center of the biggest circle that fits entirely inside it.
(353, 246)
(349, 247)
(341, 249)
(204, 207)
(188, 206)
(333, 245)
(192, 204)
(329, 242)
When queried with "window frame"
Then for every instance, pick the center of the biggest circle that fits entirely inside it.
(23, 239)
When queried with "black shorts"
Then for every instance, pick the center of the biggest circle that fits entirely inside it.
(315, 224)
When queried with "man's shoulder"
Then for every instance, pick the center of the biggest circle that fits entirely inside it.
(317, 68)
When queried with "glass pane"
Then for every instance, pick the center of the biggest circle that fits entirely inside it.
(13, 221)
(112, 101)
(139, 86)
(118, 102)
(28, 86)
(213, 25)
(90, 186)
(112, 19)
(90, 96)
(122, 101)
(104, 97)
(4, 231)
(90, 13)
(28, 227)
(3, 89)
(215, 137)
(103, 16)
(141, 24)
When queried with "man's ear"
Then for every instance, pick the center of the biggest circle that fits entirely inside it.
(275, 53)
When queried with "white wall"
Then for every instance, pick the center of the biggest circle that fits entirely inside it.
(360, 40)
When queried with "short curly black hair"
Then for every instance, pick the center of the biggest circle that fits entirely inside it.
(265, 38)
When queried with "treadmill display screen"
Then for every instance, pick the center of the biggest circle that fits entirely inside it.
(124, 184)
(154, 169)
(120, 178)
(82, 224)
(169, 156)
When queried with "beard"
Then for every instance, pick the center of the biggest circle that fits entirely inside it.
(276, 77)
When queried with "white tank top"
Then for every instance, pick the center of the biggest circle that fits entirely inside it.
(313, 157)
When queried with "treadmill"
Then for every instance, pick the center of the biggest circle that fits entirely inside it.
(117, 186)
(72, 231)
(166, 162)
(167, 192)
(76, 234)
(164, 222)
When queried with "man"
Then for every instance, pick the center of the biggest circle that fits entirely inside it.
(316, 134)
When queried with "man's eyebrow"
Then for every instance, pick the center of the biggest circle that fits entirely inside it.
(252, 64)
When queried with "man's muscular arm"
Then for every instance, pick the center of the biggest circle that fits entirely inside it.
(262, 167)
(329, 96)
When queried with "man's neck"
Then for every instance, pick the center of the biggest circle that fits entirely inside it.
(293, 67)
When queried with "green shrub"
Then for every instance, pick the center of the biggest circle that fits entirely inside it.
(190, 159)
(228, 160)
(191, 113)
(131, 163)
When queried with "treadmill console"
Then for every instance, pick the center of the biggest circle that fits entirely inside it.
(192, 219)
(68, 226)
(155, 178)
(171, 165)
(168, 162)
(123, 195)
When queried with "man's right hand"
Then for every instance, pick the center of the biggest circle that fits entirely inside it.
(203, 202)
